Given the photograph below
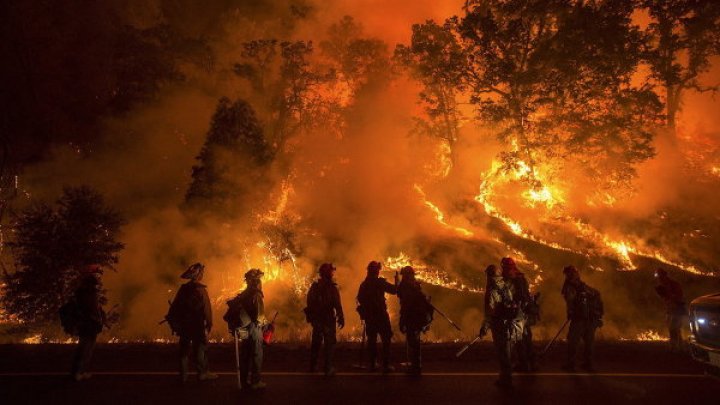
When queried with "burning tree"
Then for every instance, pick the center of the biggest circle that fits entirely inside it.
(436, 59)
(554, 77)
(295, 89)
(682, 37)
(290, 90)
(280, 82)
(355, 61)
(51, 244)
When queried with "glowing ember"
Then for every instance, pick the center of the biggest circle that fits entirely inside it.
(40, 339)
(648, 336)
(274, 216)
(33, 340)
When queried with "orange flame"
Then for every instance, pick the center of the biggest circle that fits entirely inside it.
(552, 199)
(439, 216)
(427, 274)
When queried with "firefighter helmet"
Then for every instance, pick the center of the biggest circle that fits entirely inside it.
(253, 274)
(194, 272)
(374, 267)
(570, 270)
(326, 270)
(507, 262)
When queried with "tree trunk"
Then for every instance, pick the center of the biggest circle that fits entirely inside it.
(672, 95)
(449, 124)
(524, 145)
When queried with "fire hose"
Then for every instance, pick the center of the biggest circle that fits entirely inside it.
(446, 317)
(552, 342)
(483, 332)
(467, 346)
(237, 358)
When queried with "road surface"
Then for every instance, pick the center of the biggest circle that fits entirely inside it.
(628, 372)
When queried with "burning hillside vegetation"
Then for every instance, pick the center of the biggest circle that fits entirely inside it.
(299, 135)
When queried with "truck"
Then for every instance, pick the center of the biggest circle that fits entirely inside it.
(704, 316)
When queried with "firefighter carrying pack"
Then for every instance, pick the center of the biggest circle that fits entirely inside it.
(70, 317)
(427, 313)
(319, 304)
(237, 317)
(418, 312)
(588, 304)
(532, 310)
(187, 305)
(508, 309)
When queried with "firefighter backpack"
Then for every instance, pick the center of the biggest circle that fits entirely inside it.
(70, 317)
(236, 316)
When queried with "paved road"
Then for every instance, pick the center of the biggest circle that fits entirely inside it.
(143, 374)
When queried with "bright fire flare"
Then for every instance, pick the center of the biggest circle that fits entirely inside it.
(542, 195)
(33, 340)
(648, 336)
(551, 198)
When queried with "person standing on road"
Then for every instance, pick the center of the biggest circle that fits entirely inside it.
(585, 312)
(373, 311)
(90, 320)
(324, 311)
(529, 311)
(672, 294)
(415, 317)
(504, 318)
(190, 317)
(251, 356)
